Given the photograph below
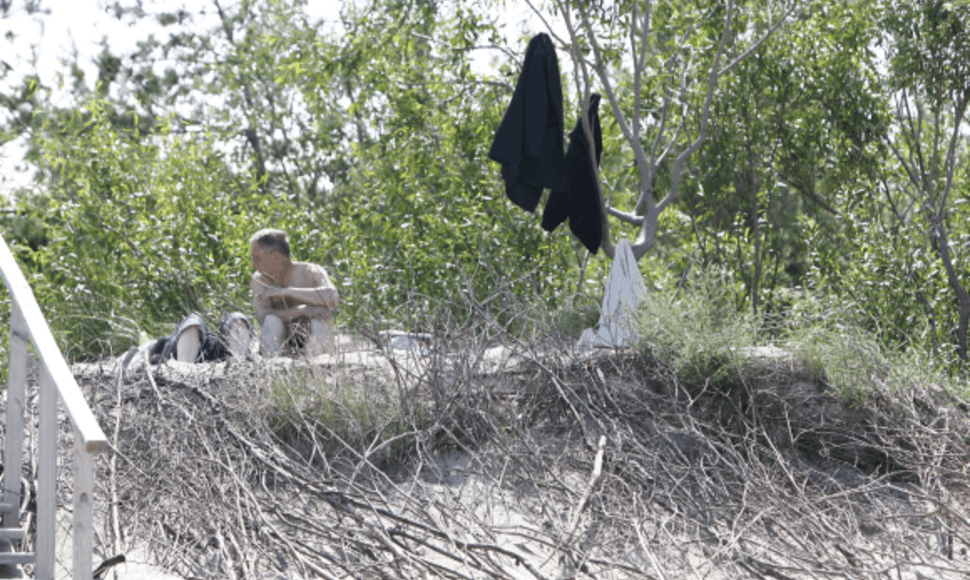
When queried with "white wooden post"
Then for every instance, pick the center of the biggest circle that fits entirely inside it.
(46, 477)
(83, 508)
(14, 443)
(57, 385)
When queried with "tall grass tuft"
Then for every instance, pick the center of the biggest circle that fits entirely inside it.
(331, 412)
(696, 331)
(843, 355)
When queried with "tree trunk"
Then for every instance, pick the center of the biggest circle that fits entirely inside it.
(963, 299)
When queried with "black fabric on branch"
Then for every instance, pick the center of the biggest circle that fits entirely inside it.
(578, 199)
(528, 142)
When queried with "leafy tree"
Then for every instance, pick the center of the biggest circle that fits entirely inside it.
(9, 9)
(221, 81)
(678, 53)
(421, 213)
(17, 94)
(893, 253)
(395, 129)
(791, 126)
(929, 55)
(139, 232)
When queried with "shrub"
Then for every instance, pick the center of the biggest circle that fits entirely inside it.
(340, 409)
(139, 233)
(697, 331)
(848, 358)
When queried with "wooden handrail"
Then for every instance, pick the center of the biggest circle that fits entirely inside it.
(85, 424)
(27, 324)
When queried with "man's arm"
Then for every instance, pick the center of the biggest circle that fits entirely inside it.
(262, 303)
(317, 291)
(269, 299)
(324, 296)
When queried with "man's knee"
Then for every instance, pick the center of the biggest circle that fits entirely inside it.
(322, 339)
(271, 335)
(189, 344)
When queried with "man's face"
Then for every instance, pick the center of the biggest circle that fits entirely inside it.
(269, 264)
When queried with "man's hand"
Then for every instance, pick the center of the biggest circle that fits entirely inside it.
(307, 311)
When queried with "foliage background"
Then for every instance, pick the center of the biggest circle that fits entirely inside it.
(368, 143)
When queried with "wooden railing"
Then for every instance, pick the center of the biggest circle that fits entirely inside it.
(27, 324)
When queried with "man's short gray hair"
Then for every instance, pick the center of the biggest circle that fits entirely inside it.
(272, 241)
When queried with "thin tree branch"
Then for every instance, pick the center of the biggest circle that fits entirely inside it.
(759, 42)
(549, 29)
(641, 157)
(807, 193)
(629, 218)
(605, 242)
(961, 108)
(508, 52)
(705, 115)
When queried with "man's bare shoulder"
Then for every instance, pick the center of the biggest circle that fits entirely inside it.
(309, 275)
(310, 272)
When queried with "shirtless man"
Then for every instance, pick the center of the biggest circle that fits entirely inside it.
(290, 298)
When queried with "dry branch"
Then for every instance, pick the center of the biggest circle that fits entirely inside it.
(499, 475)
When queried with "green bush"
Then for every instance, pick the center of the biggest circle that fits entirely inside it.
(697, 331)
(364, 411)
(139, 233)
(845, 358)
(850, 359)
(568, 320)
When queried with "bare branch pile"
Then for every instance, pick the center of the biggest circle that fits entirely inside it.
(511, 462)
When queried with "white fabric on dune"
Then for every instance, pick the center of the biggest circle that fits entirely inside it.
(624, 292)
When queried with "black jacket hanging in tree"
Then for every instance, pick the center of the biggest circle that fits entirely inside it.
(529, 141)
(578, 199)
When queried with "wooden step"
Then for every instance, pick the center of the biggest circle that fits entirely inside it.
(11, 534)
(11, 561)
(16, 558)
